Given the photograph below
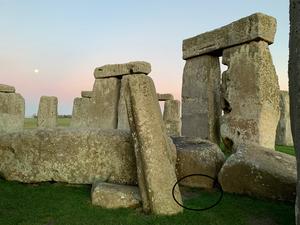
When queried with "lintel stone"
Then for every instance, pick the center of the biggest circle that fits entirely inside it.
(165, 97)
(7, 89)
(255, 27)
(86, 94)
(113, 70)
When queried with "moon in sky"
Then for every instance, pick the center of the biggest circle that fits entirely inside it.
(36, 71)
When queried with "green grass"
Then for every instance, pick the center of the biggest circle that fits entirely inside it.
(54, 204)
(31, 123)
(285, 149)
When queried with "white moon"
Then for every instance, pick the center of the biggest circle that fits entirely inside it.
(36, 71)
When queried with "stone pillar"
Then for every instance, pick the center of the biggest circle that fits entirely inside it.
(12, 110)
(171, 117)
(47, 113)
(201, 98)
(250, 94)
(284, 131)
(122, 111)
(80, 113)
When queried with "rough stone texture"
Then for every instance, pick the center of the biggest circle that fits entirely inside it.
(197, 156)
(165, 97)
(153, 148)
(284, 132)
(201, 98)
(122, 111)
(86, 94)
(260, 172)
(171, 117)
(77, 156)
(12, 112)
(114, 196)
(80, 113)
(7, 89)
(255, 27)
(250, 94)
(47, 113)
(112, 70)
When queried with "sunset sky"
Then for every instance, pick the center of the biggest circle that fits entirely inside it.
(52, 47)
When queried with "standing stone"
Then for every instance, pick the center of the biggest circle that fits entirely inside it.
(80, 113)
(122, 111)
(47, 113)
(12, 110)
(7, 89)
(284, 132)
(250, 96)
(154, 150)
(171, 117)
(113, 70)
(201, 98)
(104, 108)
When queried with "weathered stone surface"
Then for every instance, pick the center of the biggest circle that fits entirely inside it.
(81, 112)
(112, 70)
(260, 172)
(197, 156)
(47, 113)
(114, 196)
(201, 98)
(255, 27)
(7, 89)
(284, 131)
(153, 149)
(77, 156)
(12, 112)
(250, 96)
(86, 94)
(165, 97)
(122, 111)
(171, 117)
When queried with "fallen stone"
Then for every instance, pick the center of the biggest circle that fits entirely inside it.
(260, 172)
(86, 94)
(12, 112)
(250, 96)
(47, 113)
(171, 117)
(284, 131)
(164, 97)
(255, 27)
(201, 109)
(7, 89)
(112, 70)
(197, 156)
(78, 156)
(154, 150)
(112, 196)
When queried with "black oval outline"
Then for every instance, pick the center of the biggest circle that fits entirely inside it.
(202, 175)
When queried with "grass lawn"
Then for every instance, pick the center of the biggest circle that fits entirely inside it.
(53, 204)
(31, 123)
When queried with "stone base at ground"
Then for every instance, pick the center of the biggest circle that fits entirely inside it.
(260, 172)
(77, 156)
(197, 156)
(112, 196)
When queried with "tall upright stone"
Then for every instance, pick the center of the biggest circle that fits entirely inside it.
(47, 113)
(81, 112)
(250, 96)
(171, 117)
(12, 110)
(122, 111)
(201, 98)
(284, 132)
(155, 153)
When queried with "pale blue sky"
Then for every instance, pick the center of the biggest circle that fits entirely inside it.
(66, 40)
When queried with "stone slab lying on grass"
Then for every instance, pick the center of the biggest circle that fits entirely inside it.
(112, 70)
(260, 172)
(77, 156)
(7, 88)
(197, 156)
(153, 148)
(114, 196)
